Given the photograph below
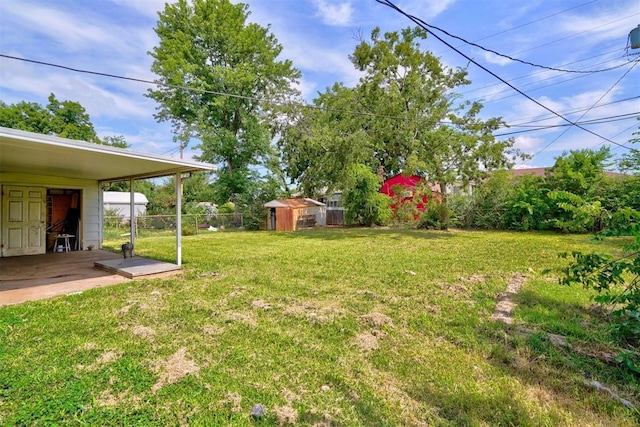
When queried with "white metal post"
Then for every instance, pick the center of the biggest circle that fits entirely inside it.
(132, 212)
(179, 219)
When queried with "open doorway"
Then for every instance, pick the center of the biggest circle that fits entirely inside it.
(64, 218)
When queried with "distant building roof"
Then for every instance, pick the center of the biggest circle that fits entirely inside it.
(293, 203)
(120, 197)
(528, 171)
(541, 171)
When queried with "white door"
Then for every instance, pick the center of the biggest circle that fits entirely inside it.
(23, 220)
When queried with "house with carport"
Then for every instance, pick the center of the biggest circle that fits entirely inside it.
(52, 185)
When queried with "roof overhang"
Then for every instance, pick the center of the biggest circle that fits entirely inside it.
(32, 153)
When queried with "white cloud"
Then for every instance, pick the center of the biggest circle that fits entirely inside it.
(307, 88)
(332, 13)
(492, 58)
(149, 8)
(326, 60)
(527, 144)
(73, 33)
(425, 9)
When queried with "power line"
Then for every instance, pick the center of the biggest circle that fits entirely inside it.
(194, 89)
(421, 23)
(534, 21)
(584, 114)
(572, 111)
(584, 122)
(305, 105)
(580, 76)
(544, 71)
(433, 27)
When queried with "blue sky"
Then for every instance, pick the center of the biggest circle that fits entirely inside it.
(114, 36)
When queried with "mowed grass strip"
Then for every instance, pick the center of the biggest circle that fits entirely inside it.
(325, 327)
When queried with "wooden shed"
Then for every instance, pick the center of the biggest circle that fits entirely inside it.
(293, 214)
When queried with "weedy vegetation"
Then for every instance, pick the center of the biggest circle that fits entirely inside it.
(324, 327)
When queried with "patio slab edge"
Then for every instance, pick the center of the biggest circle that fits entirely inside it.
(136, 267)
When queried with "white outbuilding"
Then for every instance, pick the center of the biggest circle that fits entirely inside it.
(118, 203)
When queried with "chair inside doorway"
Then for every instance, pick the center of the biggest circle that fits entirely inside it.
(63, 217)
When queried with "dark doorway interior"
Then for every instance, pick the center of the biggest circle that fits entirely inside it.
(63, 216)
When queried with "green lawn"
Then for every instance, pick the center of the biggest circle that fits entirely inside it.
(329, 327)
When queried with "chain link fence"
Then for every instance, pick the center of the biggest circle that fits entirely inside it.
(147, 225)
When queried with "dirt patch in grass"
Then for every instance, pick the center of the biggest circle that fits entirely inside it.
(89, 346)
(143, 331)
(367, 342)
(261, 304)
(126, 308)
(242, 317)
(107, 357)
(234, 294)
(506, 300)
(174, 368)
(474, 278)
(102, 360)
(286, 415)
(313, 312)
(232, 401)
(212, 329)
(376, 320)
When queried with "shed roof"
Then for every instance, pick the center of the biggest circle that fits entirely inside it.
(33, 153)
(293, 203)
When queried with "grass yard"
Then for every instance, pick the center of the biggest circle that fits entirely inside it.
(344, 327)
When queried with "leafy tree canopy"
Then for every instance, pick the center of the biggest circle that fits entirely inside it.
(216, 70)
(630, 162)
(401, 117)
(66, 119)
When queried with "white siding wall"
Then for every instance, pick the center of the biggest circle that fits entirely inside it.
(124, 209)
(90, 215)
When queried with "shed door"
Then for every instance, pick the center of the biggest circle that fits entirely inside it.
(23, 221)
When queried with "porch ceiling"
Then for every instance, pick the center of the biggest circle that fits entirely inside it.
(32, 153)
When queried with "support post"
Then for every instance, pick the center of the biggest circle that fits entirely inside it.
(132, 212)
(179, 218)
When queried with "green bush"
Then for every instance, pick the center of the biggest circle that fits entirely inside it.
(433, 214)
(364, 204)
(188, 230)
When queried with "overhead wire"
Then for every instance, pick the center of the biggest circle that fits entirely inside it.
(422, 24)
(534, 21)
(193, 89)
(257, 99)
(599, 121)
(543, 71)
(541, 119)
(582, 115)
(557, 76)
(306, 105)
(511, 58)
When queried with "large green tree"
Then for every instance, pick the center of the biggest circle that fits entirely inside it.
(67, 119)
(402, 116)
(217, 73)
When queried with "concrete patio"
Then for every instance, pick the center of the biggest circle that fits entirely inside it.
(28, 278)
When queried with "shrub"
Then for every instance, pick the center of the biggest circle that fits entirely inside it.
(617, 282)
(188, 230)
(431, 218)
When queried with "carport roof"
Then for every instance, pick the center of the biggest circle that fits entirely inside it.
(33, 153)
